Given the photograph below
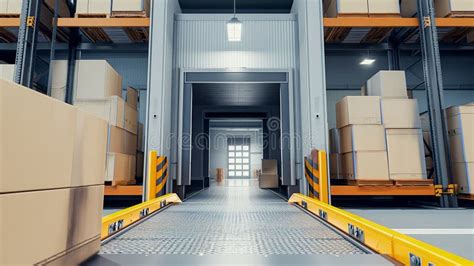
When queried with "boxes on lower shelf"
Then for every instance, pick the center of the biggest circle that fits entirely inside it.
(365, 165)
(406, 156)
(120, 168)
(68, 219)
(358, 110)
(362, 138)
(122, 141)
(73, 144)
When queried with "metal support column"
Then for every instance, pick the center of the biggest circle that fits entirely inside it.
(393, 56)
(53, 46)
(27, 41)
(434, 90)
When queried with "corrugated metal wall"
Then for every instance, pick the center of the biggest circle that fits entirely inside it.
(201, 42)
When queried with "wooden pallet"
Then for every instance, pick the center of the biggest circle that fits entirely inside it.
(461, 14)
(9, 15)
(387, 15)
(336, 35)
(137, 35)
(466, 196)
(368, 182)
(455, 35)
(129, 14)
(414, 182)
(377, 35)
(78, 15)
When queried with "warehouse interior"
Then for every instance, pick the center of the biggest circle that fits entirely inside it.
(237, 132)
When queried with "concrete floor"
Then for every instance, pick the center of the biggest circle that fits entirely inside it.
(451, 230)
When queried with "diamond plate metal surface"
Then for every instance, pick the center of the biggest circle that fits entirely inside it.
(231, 220)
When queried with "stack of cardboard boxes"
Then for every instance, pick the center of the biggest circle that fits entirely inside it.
(380, 136)
(98, 91)
(52, 167)
(362, 139)
(443, 8)
(105, 7)
(461, 141)
(335, 8)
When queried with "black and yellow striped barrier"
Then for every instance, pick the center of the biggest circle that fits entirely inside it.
(316, 174)
(158, 175)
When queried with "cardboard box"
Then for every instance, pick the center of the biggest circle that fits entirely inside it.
(408, 8)
(132, 97)
(358, 110)
(64, 218)
(388, 84)
(131, 6)
(26, 117)
(90, 149)
(120, 168)
(400, 113)
(365, 165)
(7, 72)
(406, 156)
(362, 138)
(334, 141)
(347, 7)
(444, 8)
(93, 6)
(220, 174)
(111, 109)
(384, 7)
(121, 141)
(14, 6)
(130, 119)
(141, 138)
(3, 6)
(96, 79)
(335, 163)
(460, 120)
(463, 174)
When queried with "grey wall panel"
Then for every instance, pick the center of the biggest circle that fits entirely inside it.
(201, 42)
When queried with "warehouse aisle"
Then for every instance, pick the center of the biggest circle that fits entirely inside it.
(228, 221)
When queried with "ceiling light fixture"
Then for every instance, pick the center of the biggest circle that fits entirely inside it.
(234, 28)
(368, 60)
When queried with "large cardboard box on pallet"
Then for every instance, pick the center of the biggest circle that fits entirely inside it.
(400, 113)
(384, 7)
(388, 84)
(71, 149)
(120, 168)
(365, 165)
(406, 156)
(7, 72)
(112, 109)
(337, 8)
(3, 6)
(122, 141)
(445, 8)
(96, 79)
(131, 97)
(460, 120)
(98, 7)
(362, 138)
(44, 226)
(131, 6)
(358, 110)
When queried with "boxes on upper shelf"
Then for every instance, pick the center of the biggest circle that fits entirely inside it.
(99, 7)
(406, 156)
(69, 219)
(131, 6)
(362, 138)
(384, 7)
(337, 8)
(365, 165)
(358, 110)
(400, 113)
(7, 72)
(388, 84)
(446, 8)
(96, 79)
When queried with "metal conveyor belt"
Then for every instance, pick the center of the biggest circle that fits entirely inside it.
(235, 220)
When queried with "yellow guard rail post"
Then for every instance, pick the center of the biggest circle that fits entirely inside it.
(316, 174)
(385, 241)
(157, 177)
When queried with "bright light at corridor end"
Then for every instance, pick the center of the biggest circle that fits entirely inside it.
(367, 61)
(234, 30)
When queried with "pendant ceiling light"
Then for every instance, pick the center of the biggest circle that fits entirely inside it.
(234, 28)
